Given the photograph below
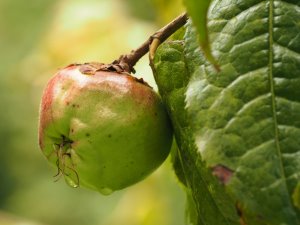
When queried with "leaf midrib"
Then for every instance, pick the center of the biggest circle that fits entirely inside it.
(273, 96)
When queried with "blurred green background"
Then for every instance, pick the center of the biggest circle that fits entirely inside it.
(38, 37)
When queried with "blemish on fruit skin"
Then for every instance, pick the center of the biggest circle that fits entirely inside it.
(45, 108)
(109, 135)
(87, 70)
(87, 135)
(73, 65)
(223, 173)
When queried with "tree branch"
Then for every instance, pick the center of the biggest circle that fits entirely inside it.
(127, 62)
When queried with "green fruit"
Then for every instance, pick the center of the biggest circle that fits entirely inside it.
(103, 130)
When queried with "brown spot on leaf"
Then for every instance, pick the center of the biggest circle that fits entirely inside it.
(223, 173)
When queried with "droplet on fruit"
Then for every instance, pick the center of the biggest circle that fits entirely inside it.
(105, 191)
(71, 182)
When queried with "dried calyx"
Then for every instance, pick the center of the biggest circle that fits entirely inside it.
(93, 67)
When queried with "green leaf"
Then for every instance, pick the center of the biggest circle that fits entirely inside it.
(211, 204)
(197, 10)
(296, 196)
(248, 115)
(241, 124)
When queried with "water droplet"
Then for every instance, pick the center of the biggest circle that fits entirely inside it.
(71, 177)
(105, 191)
(71, 182)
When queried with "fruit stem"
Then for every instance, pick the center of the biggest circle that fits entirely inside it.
(127, 62)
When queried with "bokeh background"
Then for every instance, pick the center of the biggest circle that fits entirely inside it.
(36, 38)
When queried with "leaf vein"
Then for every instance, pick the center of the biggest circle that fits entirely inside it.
(292, 52)
(244, 11)
(249, 151)
(273, 97)
(245, 107)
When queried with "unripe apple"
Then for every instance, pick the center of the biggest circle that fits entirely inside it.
(104, 130)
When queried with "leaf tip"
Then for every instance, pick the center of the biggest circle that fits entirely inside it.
(209, 56)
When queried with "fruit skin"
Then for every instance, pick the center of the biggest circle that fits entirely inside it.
(109, 128)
